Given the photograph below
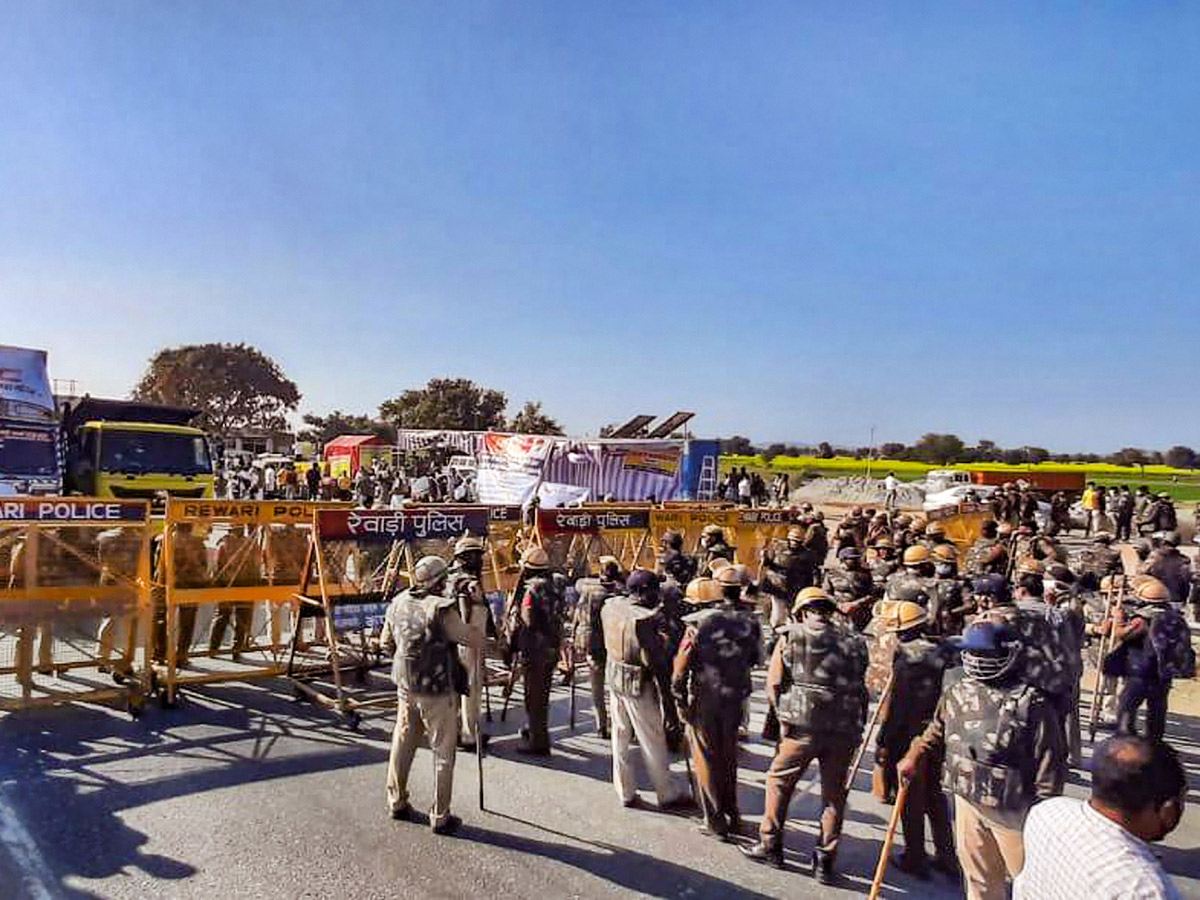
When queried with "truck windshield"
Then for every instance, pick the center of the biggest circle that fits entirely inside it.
(143, 452)
(25, 451)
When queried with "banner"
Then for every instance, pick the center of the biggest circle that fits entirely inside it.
(242, 512)
(510, 467)
(423, 523)
(73, 510)
(656, 462)
(25, 386)
(686, 520)
(584, 521)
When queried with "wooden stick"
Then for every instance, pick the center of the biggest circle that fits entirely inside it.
(883, 699)
(901, 796)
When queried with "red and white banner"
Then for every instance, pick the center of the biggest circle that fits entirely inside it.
(510, 467)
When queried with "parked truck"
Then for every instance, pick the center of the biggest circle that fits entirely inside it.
(1045, 481)
(29, 458)
(132, 450)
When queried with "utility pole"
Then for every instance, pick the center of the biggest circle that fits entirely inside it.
(871, 453)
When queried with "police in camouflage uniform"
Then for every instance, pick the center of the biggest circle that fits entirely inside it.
(639, 683)
(1003, 753)
(711, 680)
(464, 584)
(1158, 516)
(1170, 567)
(589, 632)
(1097, 561)
(1152, 647)
(786, 571)
(713, 546)
(425, 625)
(816, 540)
(918, 664)
(538, 639)
(852, 589)
(915, 580)
(987, 555)
(673, 562)
(884, 563)
(950, 596)
(816, 683)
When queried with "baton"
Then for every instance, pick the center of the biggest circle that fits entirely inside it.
(508, 688)
(571, 676)
(479, 739)
(884, 696)
(901, 796)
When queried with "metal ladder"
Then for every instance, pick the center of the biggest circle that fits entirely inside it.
(706, 485)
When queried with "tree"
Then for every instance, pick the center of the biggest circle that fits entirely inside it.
(531, 420)
(737, 446)
(1037, 454)
(323, 429)
(772, 451)
(1128, 456)
(825, 450)
(1179, 457)
(892, 450)
(232, 385)
(450, 403)
(938, 448)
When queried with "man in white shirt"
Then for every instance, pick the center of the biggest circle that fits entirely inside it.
(1099, 848)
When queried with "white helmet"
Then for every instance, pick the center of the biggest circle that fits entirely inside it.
(428, 571)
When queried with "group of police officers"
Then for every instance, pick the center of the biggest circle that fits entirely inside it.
(976, 668)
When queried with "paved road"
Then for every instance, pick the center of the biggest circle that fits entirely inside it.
(241, 792)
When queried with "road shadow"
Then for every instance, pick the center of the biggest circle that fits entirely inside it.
(627, 869)
(56, 770)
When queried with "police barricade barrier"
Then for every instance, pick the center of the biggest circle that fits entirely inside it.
(361, 558)
(963, 523)
(690, 521)
(228, 566)
(74, 601)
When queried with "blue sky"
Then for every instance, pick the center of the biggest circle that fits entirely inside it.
(798, 220)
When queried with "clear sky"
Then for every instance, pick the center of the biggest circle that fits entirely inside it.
(797, 219)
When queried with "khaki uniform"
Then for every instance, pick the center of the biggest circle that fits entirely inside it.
(285, 550)
(118, 550)
(191, 571)
(425, 628)
(465, 588)
(239, 563)
(635, 668)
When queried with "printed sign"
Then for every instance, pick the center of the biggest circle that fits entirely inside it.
(431, 522)
(241, 512)
(689, 520)
(560, 521)
(60, 509)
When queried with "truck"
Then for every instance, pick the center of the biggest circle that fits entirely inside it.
(29, 457)
(1045, 481)
(135, 451)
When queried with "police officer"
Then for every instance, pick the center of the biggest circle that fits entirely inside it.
(988, 554)
(1169, 566)
(915, 580)
(1097, 561)
(191, 571)
(118, 550)
(852, 589)
(713, 546)
(638, 675)
(1152, 647)
(239, 563)
(285, 549)
(425, 625)
(538, 639)
(589, 632)
(711, 681)
(935, 536)
(816, 682)
(1158, 516)
(949, 595)
(1003, 753)
(883, 562)
(786, 571)
(816, 540)
(918, 664)
(464, 584)
(673, 562)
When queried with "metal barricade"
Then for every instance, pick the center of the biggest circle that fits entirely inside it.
(361, 558)
(74, 593)
(228, 565)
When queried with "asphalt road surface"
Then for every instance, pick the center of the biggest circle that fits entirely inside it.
(243, 792)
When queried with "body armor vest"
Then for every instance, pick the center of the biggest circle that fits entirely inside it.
(986, 756)
(727, 645)
(424, 659)
(628, 630)
(823, 687)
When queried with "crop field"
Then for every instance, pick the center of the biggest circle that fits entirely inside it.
(1182, 484)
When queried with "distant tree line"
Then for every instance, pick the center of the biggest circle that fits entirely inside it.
(943, 449)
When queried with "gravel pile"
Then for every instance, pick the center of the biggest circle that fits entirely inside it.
(860, 489)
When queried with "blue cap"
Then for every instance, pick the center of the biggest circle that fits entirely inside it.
(984, 637)
(992, 585)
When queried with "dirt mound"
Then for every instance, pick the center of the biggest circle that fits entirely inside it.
(867, 491)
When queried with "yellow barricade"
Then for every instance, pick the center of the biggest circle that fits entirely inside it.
(963, 524)
(228, 565)
(74, 586)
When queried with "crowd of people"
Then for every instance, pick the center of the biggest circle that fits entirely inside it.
(378, 485)
(975, 659)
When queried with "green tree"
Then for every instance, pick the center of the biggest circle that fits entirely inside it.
(893, 450)
(825, 450)
(737, 446)
(1180, 457)
(938, 448)
(232, 385)
(451, 403)
(531, 420)
(323, 429)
